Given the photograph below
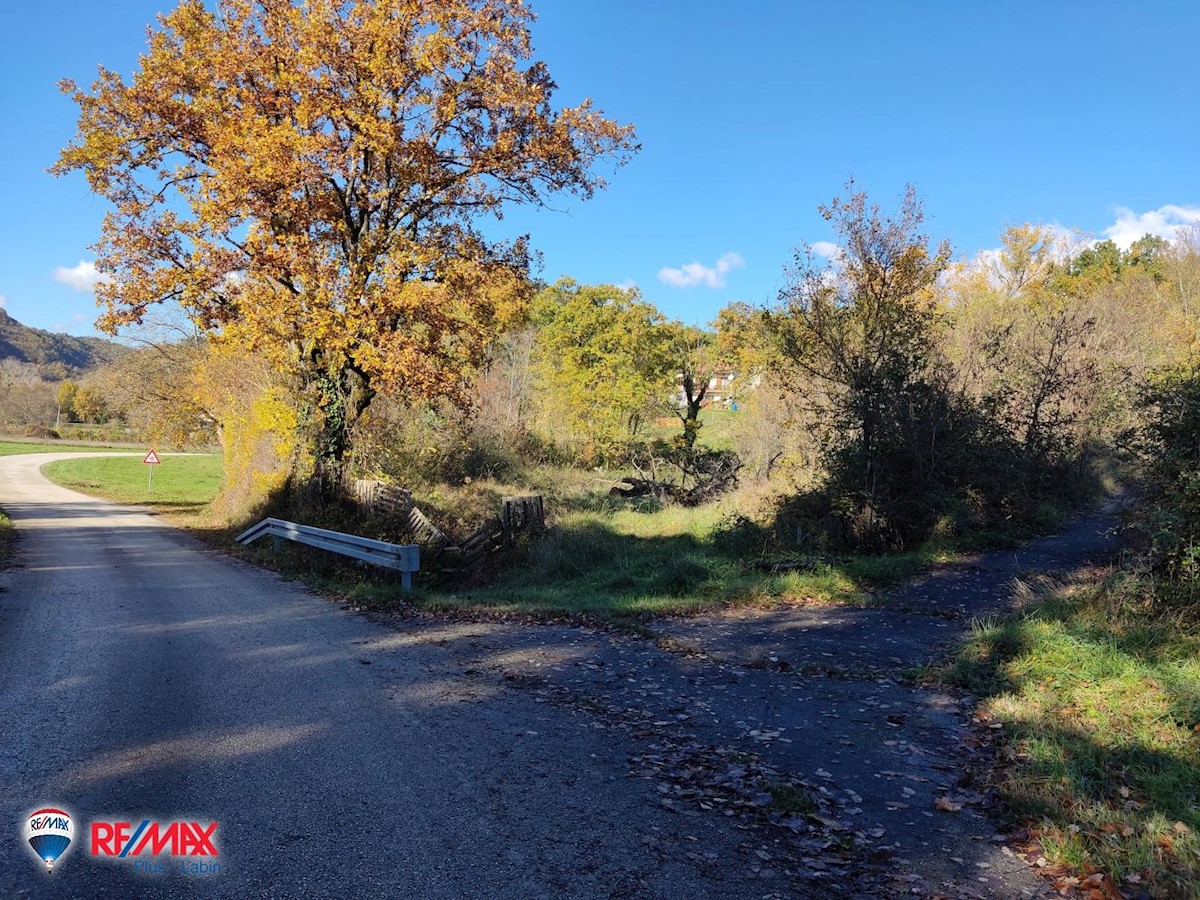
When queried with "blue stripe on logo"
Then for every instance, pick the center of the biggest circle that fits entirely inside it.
(137, 834)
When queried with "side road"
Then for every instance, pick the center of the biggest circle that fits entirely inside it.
(907, 626)
(815, 694)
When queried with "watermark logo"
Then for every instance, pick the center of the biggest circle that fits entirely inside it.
(155, 847)
(49, 832)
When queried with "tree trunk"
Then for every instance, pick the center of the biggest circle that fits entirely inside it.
(337, 401)
(693, 401)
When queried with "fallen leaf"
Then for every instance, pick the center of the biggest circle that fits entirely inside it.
(945, 805)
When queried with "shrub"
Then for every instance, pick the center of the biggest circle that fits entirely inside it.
(1168, 443)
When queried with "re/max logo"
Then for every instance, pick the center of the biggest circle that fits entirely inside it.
(121, 839)
(37, 823)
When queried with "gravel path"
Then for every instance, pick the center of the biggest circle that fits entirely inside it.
(817, 694)
(906, 627)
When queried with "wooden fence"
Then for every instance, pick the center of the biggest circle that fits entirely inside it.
(518, 515)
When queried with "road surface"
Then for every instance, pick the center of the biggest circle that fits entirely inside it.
(145, 676)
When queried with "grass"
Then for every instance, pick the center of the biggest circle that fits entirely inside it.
(8, 538)
(616, 560)
(604, 558)
(13, 448)
(183, 485)
(716, 428)
(1098, 689)
(791, 800)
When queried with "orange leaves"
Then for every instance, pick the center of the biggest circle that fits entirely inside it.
(296, 174)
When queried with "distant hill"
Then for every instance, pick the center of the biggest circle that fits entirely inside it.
(49, 351)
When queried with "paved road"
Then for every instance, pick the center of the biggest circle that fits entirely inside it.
(145, 676)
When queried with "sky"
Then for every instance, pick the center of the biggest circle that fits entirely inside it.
(1078, 114)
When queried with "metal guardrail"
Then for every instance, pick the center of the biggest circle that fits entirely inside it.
(406, 558)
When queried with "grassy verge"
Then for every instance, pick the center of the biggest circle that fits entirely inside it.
(12, 448)
(612, 560)
(1099, 692)
(183, 485)
(8, 539)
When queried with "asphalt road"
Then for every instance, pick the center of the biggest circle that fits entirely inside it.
(144, 676)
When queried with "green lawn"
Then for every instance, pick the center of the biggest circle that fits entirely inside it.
(716, 428)
(13, 448)
(182, 484)
(1098, 692)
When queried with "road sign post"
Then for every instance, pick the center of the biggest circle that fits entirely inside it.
(151, 460)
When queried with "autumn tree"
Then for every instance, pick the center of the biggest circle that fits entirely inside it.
(307, 179)
(743, 341)
(65, 397)
(1180, 267)
(25, 397)
(858, 339)
(154, 390)
(1052, 339)
(90, 406)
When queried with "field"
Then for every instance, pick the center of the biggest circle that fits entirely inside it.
(182, 484)
(13, 448)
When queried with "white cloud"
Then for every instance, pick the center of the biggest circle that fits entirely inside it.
(3, 301)
(1165, 222)
(695, 273)
(79, 317)
(827, 249)
(82, 277)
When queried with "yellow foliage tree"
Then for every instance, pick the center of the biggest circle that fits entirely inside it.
(259, 425)
(306, 178)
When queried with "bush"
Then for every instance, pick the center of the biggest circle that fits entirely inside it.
(437, 444)
(1168, 443)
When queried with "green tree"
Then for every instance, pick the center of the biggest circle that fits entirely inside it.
(1147, 253)
(602, 358)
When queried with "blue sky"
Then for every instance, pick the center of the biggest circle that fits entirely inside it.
(750, 115)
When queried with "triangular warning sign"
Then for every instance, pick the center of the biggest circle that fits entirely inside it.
(152, 459)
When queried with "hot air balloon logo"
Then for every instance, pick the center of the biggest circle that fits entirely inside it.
(49, 833)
